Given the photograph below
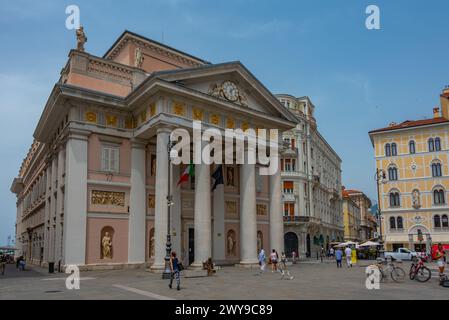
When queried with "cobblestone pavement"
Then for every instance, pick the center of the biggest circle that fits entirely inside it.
(312, 280)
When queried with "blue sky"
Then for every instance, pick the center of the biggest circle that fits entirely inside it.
(358, 79)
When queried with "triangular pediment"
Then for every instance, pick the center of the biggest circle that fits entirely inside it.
(229, 82)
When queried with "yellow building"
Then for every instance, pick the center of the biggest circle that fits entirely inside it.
(351, 218)
(413, 194)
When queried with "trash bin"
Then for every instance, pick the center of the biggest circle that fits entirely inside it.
(51, 267)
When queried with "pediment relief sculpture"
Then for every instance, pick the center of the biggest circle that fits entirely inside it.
(228, 90)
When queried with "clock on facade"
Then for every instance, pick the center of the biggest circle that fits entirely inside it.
(230, 91)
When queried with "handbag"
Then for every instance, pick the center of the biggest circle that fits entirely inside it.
(180, 266)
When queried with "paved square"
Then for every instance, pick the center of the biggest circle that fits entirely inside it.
(312, 280)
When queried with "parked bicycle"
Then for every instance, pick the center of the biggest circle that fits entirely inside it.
(388, 267)
(418, 271)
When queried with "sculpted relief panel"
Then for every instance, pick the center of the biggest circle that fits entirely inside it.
(110, 198)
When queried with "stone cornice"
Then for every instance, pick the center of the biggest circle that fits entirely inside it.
(153, 46)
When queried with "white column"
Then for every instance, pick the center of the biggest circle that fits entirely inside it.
(175, 211)
(137, 204)
(47, 215)
(202, 215)
(160, 218)
(52, 213)
(59, 207)
(219, 225)
(74, 238)
(276, 221)
(248, 216)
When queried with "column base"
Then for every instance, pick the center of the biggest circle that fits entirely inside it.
(248, 263)
(157, 268)
(196, 266)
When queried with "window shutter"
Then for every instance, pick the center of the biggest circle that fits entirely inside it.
(115, 159)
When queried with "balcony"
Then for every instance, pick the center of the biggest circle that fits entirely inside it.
(301, 219)
(288, 197)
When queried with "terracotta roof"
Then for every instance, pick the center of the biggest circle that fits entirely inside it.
(352, 191)
(411, 124)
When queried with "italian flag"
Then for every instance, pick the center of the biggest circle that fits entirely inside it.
(188, 172)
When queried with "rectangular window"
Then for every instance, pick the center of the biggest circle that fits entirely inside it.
(289, 209)
(288, 165)
(110, 156)
(288, 186)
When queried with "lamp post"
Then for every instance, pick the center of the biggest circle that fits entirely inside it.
(381, 178)
(167, 271)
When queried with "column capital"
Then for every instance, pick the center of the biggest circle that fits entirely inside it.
(78, 134)
(165, 129)
(137, 143)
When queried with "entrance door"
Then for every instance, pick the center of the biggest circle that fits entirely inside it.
(308, 246)
(191, 245)
(290, 243)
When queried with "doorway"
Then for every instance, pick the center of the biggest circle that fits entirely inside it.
(191, 245)
(290, 243)
(308, 253)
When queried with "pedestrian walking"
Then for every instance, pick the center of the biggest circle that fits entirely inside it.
(274, 260)
(338, 257)
(322, 253)
(331, 252)
(283, 267)
(294, 257)
(175, 271)
(348, 253)
(262, 259)
(3, 264)
(439, 257)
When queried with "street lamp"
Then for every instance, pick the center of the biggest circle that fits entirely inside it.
(167, 271)
(381, 178)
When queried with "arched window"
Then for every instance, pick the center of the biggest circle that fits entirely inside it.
(394, 149)
(387, 150)
(438, 196)
(399, 223)
(436, 221)
(392, 223)
(431, 144)
(412, 147)
(436, 169)
(437, 144)
(392, 173)
(444, 221)
(395, 199)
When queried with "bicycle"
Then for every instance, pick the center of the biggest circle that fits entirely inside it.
(419, 271)
(388, 267)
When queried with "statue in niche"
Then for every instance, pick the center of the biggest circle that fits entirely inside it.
(106, 246)
(81, 38)
(138, 59)
(230, 176)
(259, 241)
(152, 243)
(153, 165)
(416, 199)
(231, 243)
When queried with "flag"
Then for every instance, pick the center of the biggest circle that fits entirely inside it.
(218, 176)
(188, 172)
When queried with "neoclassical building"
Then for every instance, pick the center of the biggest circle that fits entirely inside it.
(414, 157)
(311, 183)
(92, 190)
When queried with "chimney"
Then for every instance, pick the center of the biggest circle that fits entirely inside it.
(444, 99)
(436, 112)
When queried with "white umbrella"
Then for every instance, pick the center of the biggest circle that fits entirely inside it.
(369, 244)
